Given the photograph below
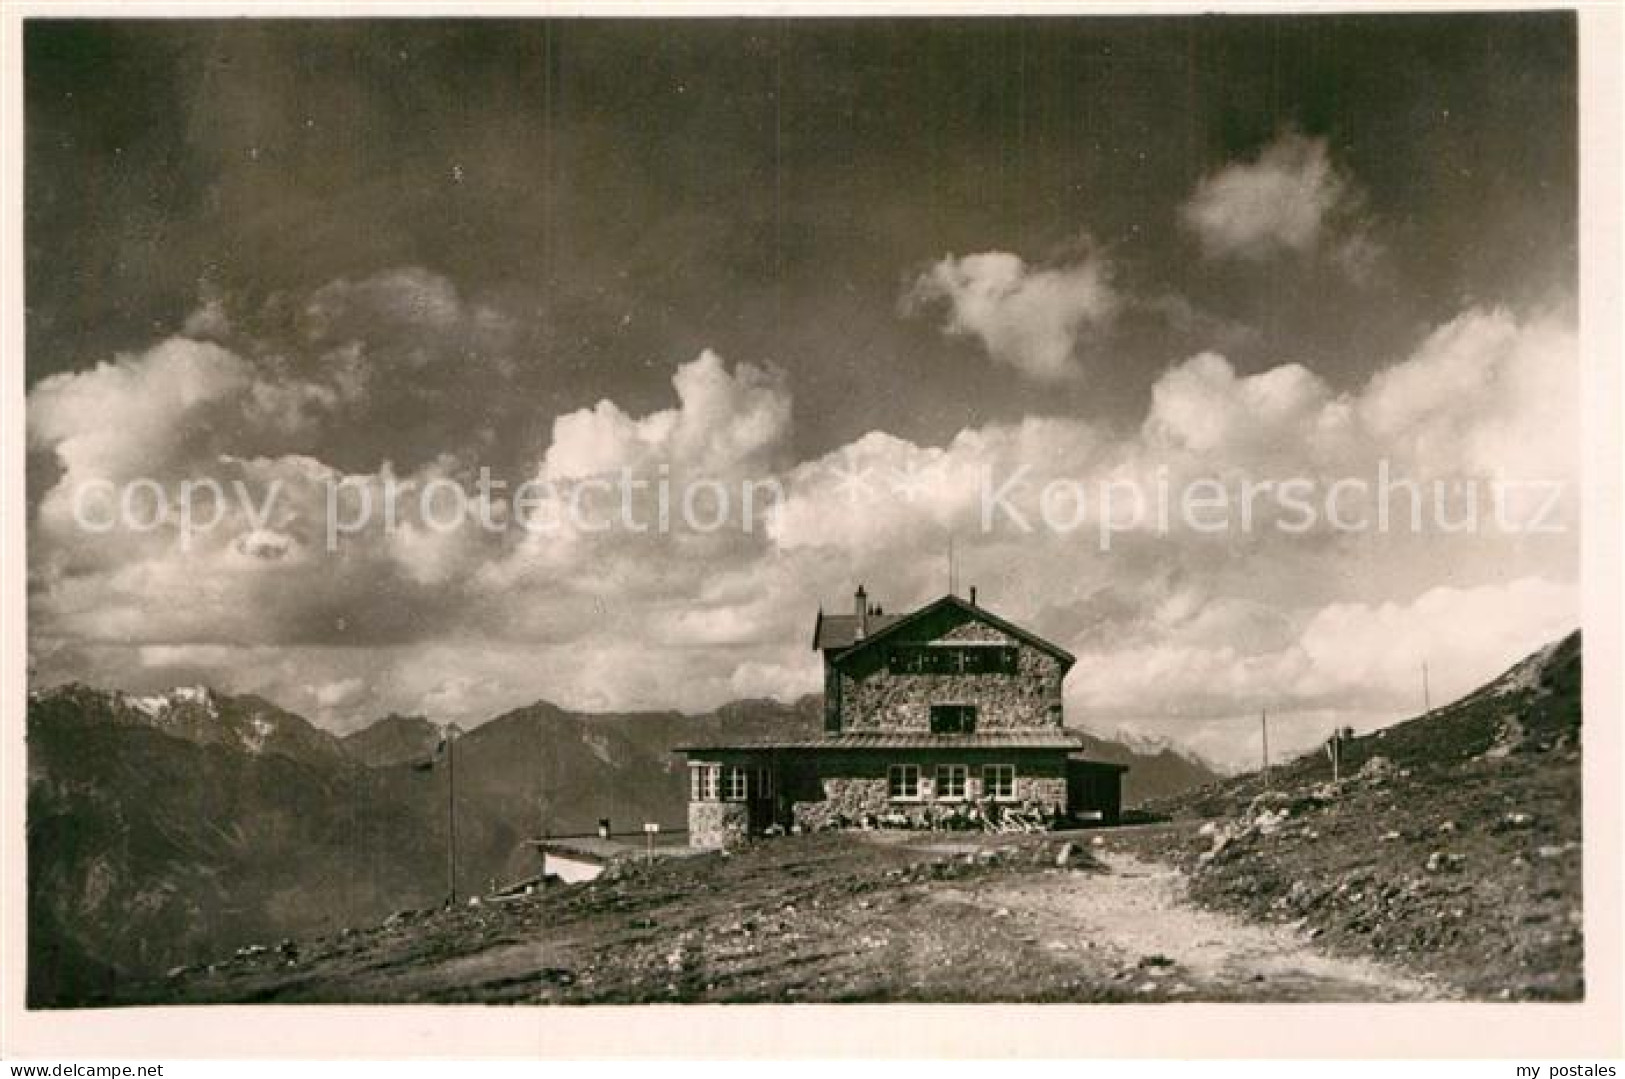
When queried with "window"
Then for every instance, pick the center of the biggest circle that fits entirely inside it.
(702, 782)
(764, 783)
(734, 784)
(903, 782)
(999, 782)
(953, 718)
(951, 659)
(951, 782)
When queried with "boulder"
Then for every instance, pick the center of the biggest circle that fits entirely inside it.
(1378, 769)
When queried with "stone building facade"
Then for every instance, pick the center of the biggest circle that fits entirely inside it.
(928, 714)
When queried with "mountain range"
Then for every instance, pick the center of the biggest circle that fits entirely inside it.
(172, 828)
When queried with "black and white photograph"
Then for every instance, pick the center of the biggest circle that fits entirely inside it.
(917, 509)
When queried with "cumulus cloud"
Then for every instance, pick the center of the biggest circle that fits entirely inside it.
(1031, 318)
(1195, 631)
(724, 423)
(1291, 198)
(334, 695)
(1208, 627)
(1348, 662)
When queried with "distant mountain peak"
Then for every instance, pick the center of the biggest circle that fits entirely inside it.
(158, 704)
(196, 713)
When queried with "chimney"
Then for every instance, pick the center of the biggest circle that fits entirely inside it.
(973, 595)
(860, 603)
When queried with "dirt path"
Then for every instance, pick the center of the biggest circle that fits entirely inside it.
(1137, 913)
(828, 918)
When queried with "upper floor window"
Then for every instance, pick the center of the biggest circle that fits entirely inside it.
(903, 781)
(953, 718)
(951, 659)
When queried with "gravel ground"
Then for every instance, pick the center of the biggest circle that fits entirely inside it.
(826, 918)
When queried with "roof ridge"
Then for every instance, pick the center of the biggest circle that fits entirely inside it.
(893, 623)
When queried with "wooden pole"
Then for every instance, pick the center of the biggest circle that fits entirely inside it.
(451, 817)
(1427, 701)
(1264, 723)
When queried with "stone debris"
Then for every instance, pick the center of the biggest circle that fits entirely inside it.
(1378, 770)
(1514, 820)
(1509, 738)
(1443, 862)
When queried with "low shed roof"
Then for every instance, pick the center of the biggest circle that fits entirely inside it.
(1050, 739)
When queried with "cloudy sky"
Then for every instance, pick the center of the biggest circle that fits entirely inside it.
(289, 256)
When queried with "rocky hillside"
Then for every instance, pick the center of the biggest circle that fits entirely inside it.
(165, 829)
(169, 828)
(393, 740)
(1451, 845)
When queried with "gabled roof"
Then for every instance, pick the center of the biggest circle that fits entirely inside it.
(893, 623)
(841, 630)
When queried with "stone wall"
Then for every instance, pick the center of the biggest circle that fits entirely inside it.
(717, 824)
(843, 789)
(871, 698)
(845, 800)
(1044, 790)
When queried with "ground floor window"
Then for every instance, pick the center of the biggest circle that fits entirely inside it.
(903, 781)
(999, 781)
(951, 781)
(702, 782)
(735, 784)
(764, 783)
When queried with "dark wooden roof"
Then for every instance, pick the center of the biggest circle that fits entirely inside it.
(837, 632)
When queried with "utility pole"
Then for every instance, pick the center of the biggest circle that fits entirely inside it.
(1427, 702)
(1264, 724)
(950, 563)
(451, 813)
